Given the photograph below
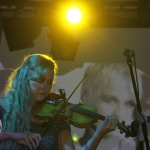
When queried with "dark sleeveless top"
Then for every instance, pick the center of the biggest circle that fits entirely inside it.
(48, 142)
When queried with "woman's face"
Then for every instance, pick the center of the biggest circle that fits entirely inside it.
(39, 90)
(117, 98)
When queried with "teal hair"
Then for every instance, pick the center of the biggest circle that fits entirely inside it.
(17, 92)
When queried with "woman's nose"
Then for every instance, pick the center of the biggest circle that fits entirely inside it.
(120, 112)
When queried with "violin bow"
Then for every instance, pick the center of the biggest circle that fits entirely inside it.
(55, 116)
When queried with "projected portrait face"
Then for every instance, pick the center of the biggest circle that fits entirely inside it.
(117, 97)
(109, 88)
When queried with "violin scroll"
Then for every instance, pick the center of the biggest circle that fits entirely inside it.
(129, 130)
(123, 128)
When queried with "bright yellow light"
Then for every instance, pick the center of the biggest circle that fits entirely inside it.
(75, 138)
(74, 15)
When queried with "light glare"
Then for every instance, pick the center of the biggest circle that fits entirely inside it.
(75, 138)
(74, 15)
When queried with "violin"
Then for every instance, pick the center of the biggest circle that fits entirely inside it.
(79, 115)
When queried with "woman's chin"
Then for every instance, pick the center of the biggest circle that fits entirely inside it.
(39, 98)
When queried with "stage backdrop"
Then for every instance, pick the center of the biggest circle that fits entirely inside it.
(108, 85)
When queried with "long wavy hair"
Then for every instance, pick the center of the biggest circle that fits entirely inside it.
(17, 93)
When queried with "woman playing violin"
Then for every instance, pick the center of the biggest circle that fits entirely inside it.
(31, 82)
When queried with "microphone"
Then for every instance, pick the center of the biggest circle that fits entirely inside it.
(135, 126)
(128, 52)
(147, 118)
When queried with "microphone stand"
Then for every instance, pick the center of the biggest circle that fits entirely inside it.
(143, 124)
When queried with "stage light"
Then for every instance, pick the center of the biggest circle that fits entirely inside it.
(63, 46)
(74, 15)
(22, 33)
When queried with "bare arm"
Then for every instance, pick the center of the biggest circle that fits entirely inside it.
(5, 136)
(31, 140)
(109, 124)
(65, 141)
